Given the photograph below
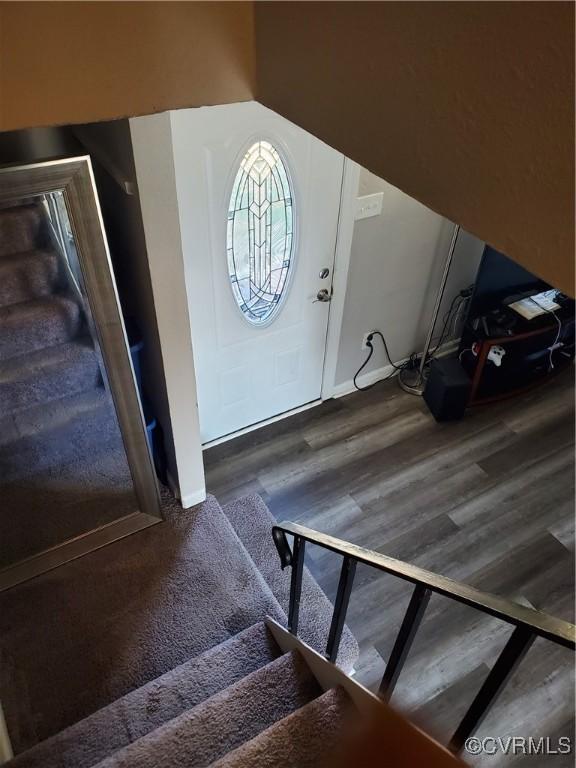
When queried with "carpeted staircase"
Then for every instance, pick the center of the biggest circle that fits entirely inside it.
(151, 651)
(158, 654)
(62, 465)
(242, 702)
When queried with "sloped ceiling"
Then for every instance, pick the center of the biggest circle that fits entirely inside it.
(466, 106)
(79, 62)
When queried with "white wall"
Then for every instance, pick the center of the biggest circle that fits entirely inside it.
(396, 263)
(154, 161)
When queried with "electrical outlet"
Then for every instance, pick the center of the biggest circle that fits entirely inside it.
(369, 205)
(365, 339)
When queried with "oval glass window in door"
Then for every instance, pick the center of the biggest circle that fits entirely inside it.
(260, 233)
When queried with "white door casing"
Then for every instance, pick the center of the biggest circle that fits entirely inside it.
(244, 373)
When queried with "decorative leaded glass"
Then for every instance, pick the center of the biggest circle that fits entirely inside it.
(260, 233)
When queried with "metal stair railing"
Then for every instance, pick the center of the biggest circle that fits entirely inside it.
(528, 623)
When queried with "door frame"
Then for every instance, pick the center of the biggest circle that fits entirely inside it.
(344, 234)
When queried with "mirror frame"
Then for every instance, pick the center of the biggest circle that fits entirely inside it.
(74, 177)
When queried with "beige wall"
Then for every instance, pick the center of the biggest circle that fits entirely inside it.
(76, 62)
(466, 106)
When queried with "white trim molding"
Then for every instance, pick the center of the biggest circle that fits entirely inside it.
(346, 217)
(190, 499)
(365, 380)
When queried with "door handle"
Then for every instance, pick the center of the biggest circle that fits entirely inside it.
(323, 295)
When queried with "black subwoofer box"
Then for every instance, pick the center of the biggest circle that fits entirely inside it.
(447, 389)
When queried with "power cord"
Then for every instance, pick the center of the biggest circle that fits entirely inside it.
(370, 346)
(462, 297)
(557, 339)
(414, 359)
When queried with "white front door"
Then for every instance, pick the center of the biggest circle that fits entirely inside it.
(258, 201)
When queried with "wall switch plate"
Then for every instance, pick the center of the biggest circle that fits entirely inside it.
(369, 205)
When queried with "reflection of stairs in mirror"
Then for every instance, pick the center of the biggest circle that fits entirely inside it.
(63, 470)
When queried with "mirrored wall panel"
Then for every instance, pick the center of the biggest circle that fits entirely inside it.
(65, 470)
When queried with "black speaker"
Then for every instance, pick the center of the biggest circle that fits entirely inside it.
(447, 389)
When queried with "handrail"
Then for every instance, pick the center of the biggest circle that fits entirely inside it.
(528, 623)
(542, 624)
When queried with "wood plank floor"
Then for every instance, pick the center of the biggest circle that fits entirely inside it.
(488, 500)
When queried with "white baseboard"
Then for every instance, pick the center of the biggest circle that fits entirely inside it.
(189, 499)
(365, 380)
(386, 371)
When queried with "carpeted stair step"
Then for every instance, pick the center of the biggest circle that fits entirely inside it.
(70, 429)
(37, 324)
(226, 720)
(134, 610)
(253, 521)
(48, 374)
(145, 709)
(304, 739)
(20, 228)
(28, 275)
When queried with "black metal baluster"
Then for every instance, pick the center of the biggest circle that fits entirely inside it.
(411, 622)
(296, 583)
(511, 655)
(340, 607)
